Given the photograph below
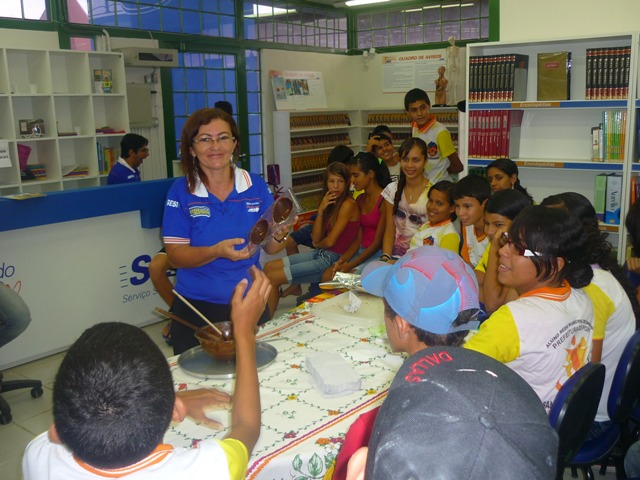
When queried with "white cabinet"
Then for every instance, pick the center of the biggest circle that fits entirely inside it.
(80, 120)
(555, 136)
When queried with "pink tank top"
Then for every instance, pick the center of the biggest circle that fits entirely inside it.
(369, 222)
(349, 234)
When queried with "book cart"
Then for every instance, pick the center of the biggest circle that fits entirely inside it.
(555, 142)
(60, 127)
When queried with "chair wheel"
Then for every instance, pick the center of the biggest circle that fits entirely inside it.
(5, 418)
(36, 392)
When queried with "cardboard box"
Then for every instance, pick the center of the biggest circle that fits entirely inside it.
(613, 199)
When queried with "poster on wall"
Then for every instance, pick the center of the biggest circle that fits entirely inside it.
(402, 72)
(295, 90)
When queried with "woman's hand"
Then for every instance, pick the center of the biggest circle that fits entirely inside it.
(226, 249)
(196, 403)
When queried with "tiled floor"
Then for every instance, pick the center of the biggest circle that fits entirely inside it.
(33, 416)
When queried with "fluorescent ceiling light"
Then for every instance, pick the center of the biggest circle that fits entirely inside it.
(412, 10)
(451, 5)
(266, 11)
(430, 7)
(353, 3)
(467, 4)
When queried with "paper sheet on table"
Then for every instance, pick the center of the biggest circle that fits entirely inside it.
(5, 158)
(370, 314)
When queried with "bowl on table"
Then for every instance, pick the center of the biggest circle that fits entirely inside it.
(215, 346)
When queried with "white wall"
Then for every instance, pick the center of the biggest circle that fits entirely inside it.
(548, 19)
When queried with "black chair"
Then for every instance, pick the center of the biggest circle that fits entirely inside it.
(623, 399)
(574, 410)
(5, 409)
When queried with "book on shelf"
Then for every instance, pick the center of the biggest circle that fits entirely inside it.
(494, 133)
(607, 73)
(613, 199)
(599, 196)
(613, 134)
(554, 76)
(498, 78)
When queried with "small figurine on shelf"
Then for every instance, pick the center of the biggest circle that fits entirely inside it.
(441, 88)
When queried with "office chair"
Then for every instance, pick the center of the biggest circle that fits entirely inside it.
(7, 386)
(574, 410)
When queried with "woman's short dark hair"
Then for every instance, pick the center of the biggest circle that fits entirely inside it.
(508, 203)
(553, 233)
(190, 164)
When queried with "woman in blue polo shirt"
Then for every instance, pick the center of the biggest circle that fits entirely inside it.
(207, 216)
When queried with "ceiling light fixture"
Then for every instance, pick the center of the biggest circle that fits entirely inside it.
(353, 3)
(261, 11)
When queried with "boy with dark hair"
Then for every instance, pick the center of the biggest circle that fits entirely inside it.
(113, 399)
(133, 150)
(443, 160)
(470, 195)
(444, 397)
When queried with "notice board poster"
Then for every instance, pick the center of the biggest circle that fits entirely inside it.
(402, 72)
(295, 90)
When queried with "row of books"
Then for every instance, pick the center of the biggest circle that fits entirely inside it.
(608, 138)
(320, 121)
(607, 73)
(494, 133)
(498, 78)
(319, 141)
(401, 119)
(608, 197)
(635, 189)
(107, 157)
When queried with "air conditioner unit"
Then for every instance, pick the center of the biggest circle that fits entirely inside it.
(149, 57)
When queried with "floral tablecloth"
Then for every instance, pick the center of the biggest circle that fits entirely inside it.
(302, 431)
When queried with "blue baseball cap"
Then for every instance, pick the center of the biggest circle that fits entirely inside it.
(428, 287)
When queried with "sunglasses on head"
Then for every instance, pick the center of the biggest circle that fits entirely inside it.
(415, 219)
(523, 252)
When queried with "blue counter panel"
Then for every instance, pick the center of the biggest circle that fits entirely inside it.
(148, 197)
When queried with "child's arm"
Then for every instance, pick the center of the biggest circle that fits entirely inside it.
(245, 312)
(347, 210)
(389, 238)
(455, 165)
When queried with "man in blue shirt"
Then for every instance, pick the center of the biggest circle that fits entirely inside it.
(134, 149)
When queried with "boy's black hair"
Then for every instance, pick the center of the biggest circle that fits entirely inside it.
(415, 95)
(224, 105)
(132, 141)
(632, 222)
(382, 130)
(340, 153)
(455, 339)
(508, 203)
(367, 162)
(113, 396)
(553, 233)
(473, 186)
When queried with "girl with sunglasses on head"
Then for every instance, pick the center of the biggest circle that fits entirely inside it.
(503, 175)
(207, 215)
(545, 334)
(405, 205)
(369, 176)
(499, 212)
(441, 212)
(334, 229)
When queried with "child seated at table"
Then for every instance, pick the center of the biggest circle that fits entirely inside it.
(113, 400)
(446, 393)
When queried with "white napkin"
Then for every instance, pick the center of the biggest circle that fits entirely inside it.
(331, 374)
(354, 303)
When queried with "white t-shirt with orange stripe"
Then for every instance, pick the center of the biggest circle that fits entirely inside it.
(544, 335)
(226, 459)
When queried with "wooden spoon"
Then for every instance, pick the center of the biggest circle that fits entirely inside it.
(196, 311)
(184, 323)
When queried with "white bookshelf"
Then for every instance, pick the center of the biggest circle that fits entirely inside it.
(57, 86)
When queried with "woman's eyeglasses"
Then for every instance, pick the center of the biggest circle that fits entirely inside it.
(523, 252)
(207, 140)
(415, 219)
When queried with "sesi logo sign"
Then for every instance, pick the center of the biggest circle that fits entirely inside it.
(135, 274)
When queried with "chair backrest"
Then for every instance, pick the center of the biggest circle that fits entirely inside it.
(575, 408)
(625, 387)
